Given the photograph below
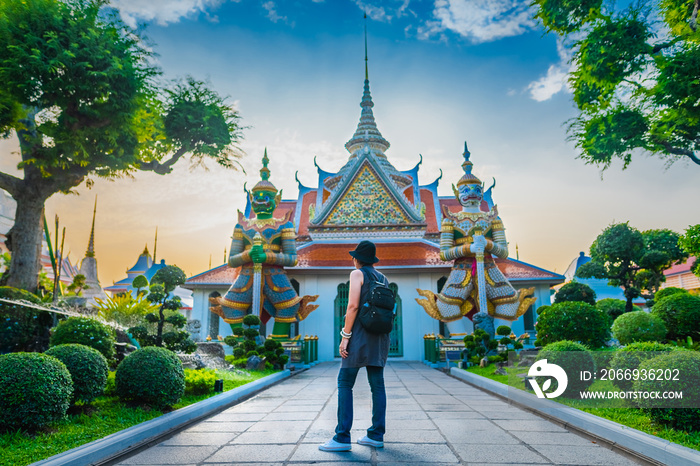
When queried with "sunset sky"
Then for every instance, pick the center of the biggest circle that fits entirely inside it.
(441, 72)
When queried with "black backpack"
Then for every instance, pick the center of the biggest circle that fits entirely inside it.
(377, 313)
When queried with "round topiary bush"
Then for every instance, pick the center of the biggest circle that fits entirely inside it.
(151, 375)
(572, 357)
(666, 292)
(35, 389)
(638, 326)
(22, 328)
(681, 314)
(87, 367)
(575, 291)
(85, 331)
(614, 308)
(682, 413)
(574, 321)
(627, 359)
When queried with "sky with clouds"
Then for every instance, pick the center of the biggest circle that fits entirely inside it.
(441, 72)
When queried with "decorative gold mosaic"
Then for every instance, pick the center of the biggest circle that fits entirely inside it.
(367, 201)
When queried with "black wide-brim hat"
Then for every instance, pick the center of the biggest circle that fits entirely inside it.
(365, 252)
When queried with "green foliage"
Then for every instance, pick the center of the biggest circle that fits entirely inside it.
(251, 320)
(151, 375)
(634, 93)
(111, 384)
(85, 331)
(638, 326)
(78, 285)
(170, 277)
(163, 283)
(503, 330)
(681, 314)
(687, 363)
(22, 328)
(690, 242)
(664, 292)
(573, 320)
(575, 291)
(140, 281)
(124, 309)
(631, 356)
(80, 91)
(572, 357)
(35, 389)
(87, 367)
(612, 307)
(632, 259)
(199, 382)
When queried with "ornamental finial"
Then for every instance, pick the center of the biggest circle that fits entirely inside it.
(366, 66)
(264, 171)
(264, 184)
(467, 165)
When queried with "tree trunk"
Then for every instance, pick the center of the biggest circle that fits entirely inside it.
(25, 243)
(629, 305)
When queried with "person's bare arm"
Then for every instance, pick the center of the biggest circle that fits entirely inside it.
(356, 280)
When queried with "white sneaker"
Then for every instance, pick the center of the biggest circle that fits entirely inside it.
(370, 443)
(332, 445)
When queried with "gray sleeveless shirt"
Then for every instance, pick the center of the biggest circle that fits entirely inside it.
(364, 348)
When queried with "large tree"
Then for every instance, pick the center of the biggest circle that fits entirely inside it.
(632, 259)
(635, 76)
(81, 93)
(690, 242)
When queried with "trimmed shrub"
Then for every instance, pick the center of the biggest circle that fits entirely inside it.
(572, 357)
(85, 331)
(575, 291)
(87, 367)
(666, 292)
(199, 382)
(22, 328)
(687, 363)
(681, 314)
(151, 375)
(638, 326)
(574, 321)
(111, 384)
(35, 389)
(631, 356)
(614, 308)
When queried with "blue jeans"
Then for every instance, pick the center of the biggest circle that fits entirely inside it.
(346, 380)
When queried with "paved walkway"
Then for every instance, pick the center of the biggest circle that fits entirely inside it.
(431, 419)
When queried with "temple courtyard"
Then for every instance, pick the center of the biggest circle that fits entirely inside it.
(432, 418)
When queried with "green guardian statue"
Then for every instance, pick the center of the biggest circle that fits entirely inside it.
(262, 247)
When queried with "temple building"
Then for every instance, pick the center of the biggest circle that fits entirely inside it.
(367, 198)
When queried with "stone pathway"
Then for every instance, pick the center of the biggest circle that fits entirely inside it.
(431, 419)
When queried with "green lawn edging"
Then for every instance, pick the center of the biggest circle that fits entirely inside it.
(636, 442)
(134, 437)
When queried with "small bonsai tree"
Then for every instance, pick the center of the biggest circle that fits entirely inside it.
(162, 284)
(575, 291)
(244, 344)
(78, 285)
(478, 344)
(139, 282)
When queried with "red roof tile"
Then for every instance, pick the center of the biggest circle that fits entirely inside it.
(215, 276)
(680, 268)
(308, 199)
(426, 197)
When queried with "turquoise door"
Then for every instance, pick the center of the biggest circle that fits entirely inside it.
(341, 305)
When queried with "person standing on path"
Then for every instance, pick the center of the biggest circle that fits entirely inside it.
(359, 348)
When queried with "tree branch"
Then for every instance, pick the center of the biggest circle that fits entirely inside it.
(693, 23)
(679, 151)
(165, 167)
(10, 183)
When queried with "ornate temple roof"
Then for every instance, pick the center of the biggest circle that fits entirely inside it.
(215, 277)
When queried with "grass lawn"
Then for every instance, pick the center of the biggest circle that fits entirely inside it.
(109, 416)
(629, 416)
